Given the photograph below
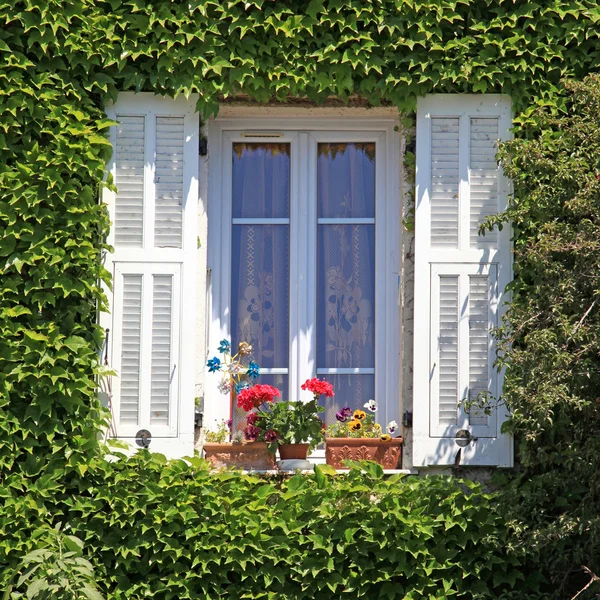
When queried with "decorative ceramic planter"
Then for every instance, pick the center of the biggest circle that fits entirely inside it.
(387, 454)
(293, 451)
(249, 456)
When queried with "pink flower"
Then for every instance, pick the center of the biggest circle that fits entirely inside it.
(319, 387)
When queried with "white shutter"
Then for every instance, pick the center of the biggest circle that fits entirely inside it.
(154, 213)
(460, 277)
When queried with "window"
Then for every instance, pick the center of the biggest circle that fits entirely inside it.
(304, 232)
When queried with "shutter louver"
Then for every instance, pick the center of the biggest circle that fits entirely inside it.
(479, 340)
(160, 377)
(483, 179)
(444, 182)
(169, 182)
(448, 350)
(129, 179)
(131, 328)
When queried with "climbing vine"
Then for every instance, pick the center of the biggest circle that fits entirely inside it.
(62, 61)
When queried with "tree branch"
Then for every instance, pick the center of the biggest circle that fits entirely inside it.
(593, 579)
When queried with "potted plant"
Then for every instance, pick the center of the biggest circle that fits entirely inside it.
(244, 450)
(239, 453)
(357, 436)
(294, 427)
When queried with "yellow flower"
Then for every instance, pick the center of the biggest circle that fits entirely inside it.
(386, 437)
(354, 425)
(377, 427)
(359, 415)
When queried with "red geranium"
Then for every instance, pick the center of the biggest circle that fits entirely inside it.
(319, 387)
(256, 395)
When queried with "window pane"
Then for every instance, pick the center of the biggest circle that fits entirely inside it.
(346, 295)
(350, 390)
(346, 180)
(261, 180)
(260, 288)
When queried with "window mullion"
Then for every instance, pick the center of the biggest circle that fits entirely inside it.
(305, 228)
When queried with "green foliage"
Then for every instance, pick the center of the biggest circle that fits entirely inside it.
(56, 570)
(551, 341)
(177, 530)
(295, 422)
(219, 434)
(59, 64)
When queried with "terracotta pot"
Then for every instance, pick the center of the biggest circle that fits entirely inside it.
(248, 456)
(387, 454)
(293, 451)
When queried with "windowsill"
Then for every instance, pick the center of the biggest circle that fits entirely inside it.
(338, 471)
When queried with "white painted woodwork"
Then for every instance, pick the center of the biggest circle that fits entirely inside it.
(155, 170)
(162, 366)
(444, 182)
(168, 211)
(129, 179)
(460, 278)
(483, 179)
(131, 348)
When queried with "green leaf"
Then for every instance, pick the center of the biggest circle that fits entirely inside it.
(35, 587)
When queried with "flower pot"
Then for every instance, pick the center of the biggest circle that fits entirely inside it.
(293, 451)
(248, 456)
(387, 454)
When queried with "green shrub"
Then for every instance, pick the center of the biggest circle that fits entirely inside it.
(551, 338)
(171, 530)
(55, 570)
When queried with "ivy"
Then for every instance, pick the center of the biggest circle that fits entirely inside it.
(61, 61)
(177, 530)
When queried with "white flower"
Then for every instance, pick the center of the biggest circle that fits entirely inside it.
(371, 405)
(225, 385)
(392, 426)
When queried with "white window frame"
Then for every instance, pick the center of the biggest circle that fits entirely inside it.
(304, 133)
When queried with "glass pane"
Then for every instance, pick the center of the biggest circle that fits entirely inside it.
(346, 180)
(261, 180)
(346, 296)
(260, 288)
(350, 390)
